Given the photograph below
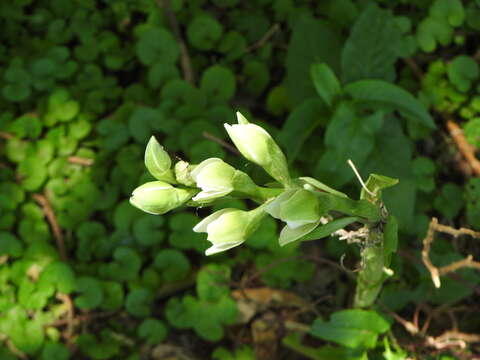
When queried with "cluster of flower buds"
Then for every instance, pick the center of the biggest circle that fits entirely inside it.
(201, 184)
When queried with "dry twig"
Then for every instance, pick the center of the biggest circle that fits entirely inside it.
(220, 142)
(263, 40)
(436, 272)
(80, 161)
(5, 135)
(184, 55)
(42, 200)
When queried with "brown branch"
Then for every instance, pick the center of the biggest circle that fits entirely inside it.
(220, 142)
(465, 148)
(452, 339)
(185, 62)
(80, 161)
(52, 219)
(70, 318)
(435, 272)
(5, 135)
(264, 39)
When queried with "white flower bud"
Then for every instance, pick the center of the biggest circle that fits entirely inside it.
(158, 197)
(228, 228)
(256, 145)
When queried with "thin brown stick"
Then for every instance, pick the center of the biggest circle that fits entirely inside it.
(452, 339)
(436, 272)
(70, 319)
(80, 161)
(185, 61)
(5, 135)
(465, 148)
(264, 39)
(52, 219)
(220, 142)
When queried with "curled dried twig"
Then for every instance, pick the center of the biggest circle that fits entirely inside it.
(436, 272)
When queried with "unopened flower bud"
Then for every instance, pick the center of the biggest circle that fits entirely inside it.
(228, 228)
(256, 145)
(158, 197)
(158, 162)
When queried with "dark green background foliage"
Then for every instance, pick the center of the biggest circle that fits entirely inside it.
(331, 80)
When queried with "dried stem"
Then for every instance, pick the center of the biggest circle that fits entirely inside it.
(42, 200)
(80, 161)
(220, 142)
(465, 148)
(5, 135)
(185, 61)
(436, 272)
(264, 39)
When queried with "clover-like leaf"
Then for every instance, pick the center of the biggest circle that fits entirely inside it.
(157, 44)
(10, 245)
(462, 71)
(218, 82)
(173, 264)
(204, 31)
(152, 330)
(91, 292)
(138, 302)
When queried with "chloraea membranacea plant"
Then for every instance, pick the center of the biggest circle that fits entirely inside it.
(309, 208)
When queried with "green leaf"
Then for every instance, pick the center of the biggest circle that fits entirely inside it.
(313, 41)
(113, 296)
(218, 82)
(213, 282)
(204, 31)
(375, 184)
(147, 230)
(138, 302)
(10, 245)
(152, 330)
(300, 124)
(33, 173)
(59, 275)
(173, 265)
(91, 293)
(157, 44)
(372, 48)
(348, 136)
(462, 71)
(325, 82)
(450, 10)
(432, 31)
(330, 227)
(378, 93)
(351, 328)
(55, 351)
(450, 200)
(125, 267)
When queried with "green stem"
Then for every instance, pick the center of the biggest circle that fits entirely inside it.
(266, 193)
(371, 276)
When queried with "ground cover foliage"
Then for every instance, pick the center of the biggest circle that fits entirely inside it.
(85, 84)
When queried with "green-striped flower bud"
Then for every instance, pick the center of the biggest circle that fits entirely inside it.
(217, 178)
(158, 197)
(228, 228)
(158, 162)
(256, 145)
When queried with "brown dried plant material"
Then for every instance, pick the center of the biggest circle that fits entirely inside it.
(466, 149)
(436, 272)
